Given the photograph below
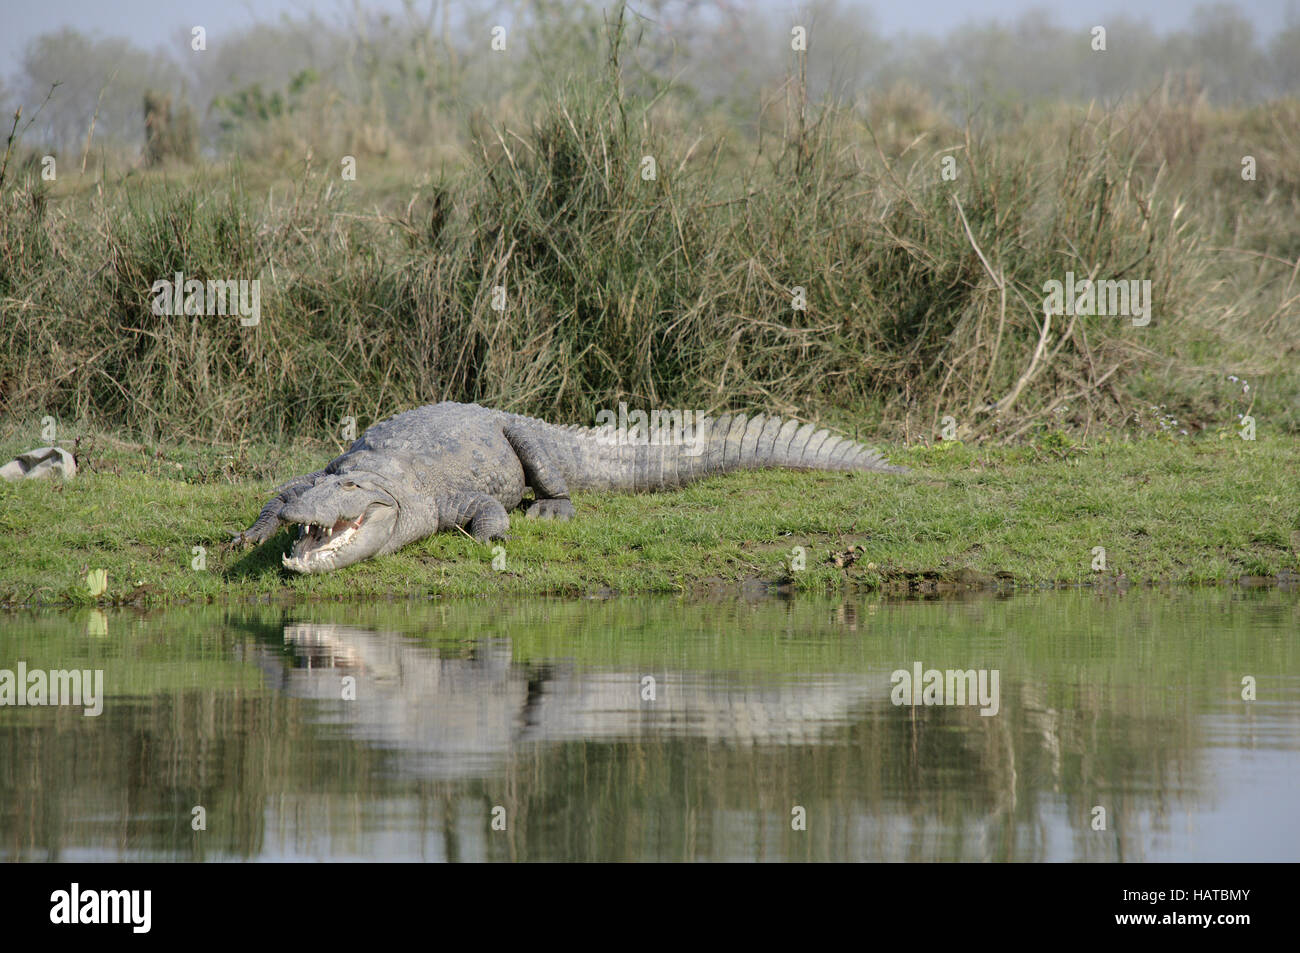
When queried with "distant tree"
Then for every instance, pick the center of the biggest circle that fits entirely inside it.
(1222, 47)
(1284, 61)
(84, 67)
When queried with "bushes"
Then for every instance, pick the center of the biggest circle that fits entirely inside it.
(923, 292)
(168, 137)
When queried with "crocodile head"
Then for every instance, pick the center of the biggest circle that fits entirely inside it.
(343, 519)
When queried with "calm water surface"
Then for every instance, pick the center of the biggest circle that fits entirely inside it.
(538, 713)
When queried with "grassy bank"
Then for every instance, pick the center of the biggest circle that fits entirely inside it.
(1164, 510)
(876, 264)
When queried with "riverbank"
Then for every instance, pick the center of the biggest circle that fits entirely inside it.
(156, 519)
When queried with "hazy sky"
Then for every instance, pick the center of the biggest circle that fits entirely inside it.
(155, 22)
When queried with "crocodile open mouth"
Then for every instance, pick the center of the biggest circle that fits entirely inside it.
(317, 546)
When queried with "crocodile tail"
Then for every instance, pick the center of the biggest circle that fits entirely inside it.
(737, 441)
(604, 458)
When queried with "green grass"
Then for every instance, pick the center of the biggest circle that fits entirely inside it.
(1166, 511)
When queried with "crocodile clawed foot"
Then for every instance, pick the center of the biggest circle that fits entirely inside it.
(551, 509)
(253, 536)
(244, 540)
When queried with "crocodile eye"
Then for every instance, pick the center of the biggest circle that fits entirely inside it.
(349, 485)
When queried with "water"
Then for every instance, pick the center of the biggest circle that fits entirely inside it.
(534, 713)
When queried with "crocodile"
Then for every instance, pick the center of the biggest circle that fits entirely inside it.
(447, 466)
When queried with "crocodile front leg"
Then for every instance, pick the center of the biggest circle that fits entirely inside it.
(481, 515)
(541, 473)
(268, 521)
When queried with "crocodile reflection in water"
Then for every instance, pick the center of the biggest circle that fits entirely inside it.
(411, 696)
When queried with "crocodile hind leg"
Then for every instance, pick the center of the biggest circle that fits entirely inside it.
(268, 521)
(481, 515)
(541, 473)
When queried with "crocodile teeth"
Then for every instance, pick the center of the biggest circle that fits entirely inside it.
(318, 543)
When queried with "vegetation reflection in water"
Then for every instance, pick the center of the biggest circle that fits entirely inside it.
(1129, 702)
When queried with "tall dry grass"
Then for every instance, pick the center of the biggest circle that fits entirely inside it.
(923, 292)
